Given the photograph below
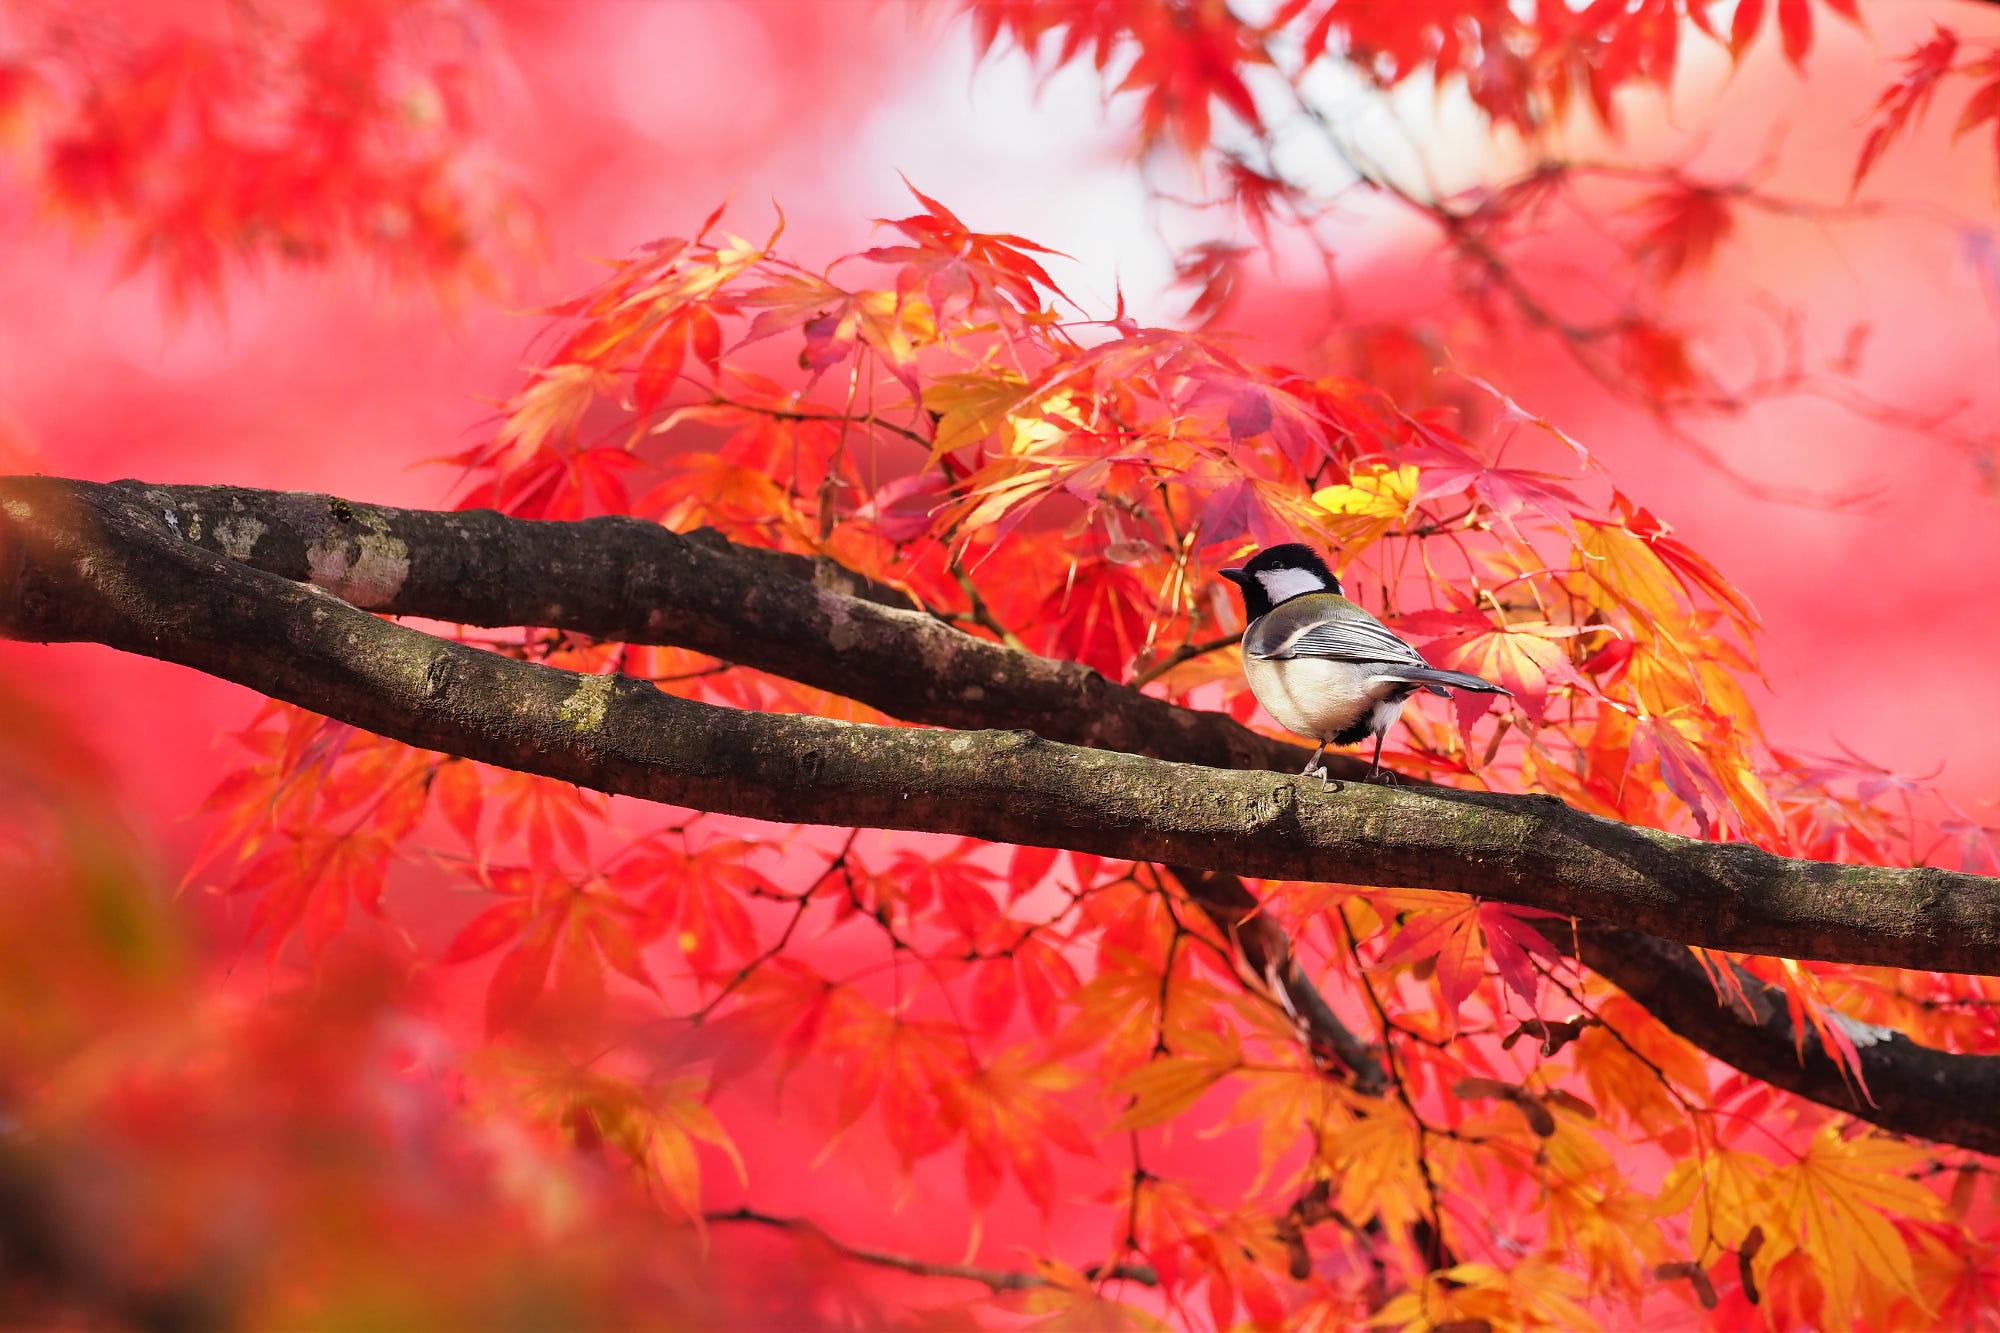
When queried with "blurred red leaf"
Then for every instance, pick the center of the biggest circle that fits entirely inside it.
(1686, 223)
(1907, 98)
(1098, 616)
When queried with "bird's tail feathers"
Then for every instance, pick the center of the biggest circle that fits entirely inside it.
(1431, 678)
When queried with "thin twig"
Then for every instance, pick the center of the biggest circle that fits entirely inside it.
(1187, 652)
(982, 615)
(995, 1280)
(782, 414)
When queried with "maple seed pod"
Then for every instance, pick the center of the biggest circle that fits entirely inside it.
(1704, 1289)
(1744, 1255)
(1570, 1102)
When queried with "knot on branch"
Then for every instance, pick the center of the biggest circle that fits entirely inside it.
(1276, 811)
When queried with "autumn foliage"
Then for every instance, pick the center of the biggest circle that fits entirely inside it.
(517, 1047)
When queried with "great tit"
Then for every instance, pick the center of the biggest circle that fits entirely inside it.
(1321, 666)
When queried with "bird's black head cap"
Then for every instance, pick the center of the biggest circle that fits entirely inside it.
(1277, 574)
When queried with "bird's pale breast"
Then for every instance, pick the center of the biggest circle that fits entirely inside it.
(1317, 697)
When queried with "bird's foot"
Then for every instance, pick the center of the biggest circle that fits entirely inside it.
(1383, 777)
(1318, 771)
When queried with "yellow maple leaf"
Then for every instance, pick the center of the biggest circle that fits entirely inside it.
(1839, 1198)
(1163, 1088)
(894, 326)
(1281, 1103)
(1624, 573)
(1610, 1229)
(1038, 426)
(1375, 1162)
(1374, 498)
(707, 489)
(1535, 1293)
(1723, 1193)
(971, 407)
(551, 406)
(655, 1127)
(696, 277)
(1624, 1083)
(1066, 1299)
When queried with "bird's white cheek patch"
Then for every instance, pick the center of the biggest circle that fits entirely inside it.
(1280, 584)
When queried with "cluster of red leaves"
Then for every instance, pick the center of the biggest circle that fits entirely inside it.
(1533, 70)
(950, 418)
(1072, 485)
(302, 131)
(1525, 66)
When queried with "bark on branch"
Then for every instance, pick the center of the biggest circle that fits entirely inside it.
(183, 573)
(631, 581)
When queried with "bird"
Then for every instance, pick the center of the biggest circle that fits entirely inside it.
(1322, 667)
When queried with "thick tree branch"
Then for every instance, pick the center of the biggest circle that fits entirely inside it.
(511, 572)
(106, 564)
(631, 581)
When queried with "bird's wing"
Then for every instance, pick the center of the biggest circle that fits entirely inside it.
(1327, 626)
(1355, 641)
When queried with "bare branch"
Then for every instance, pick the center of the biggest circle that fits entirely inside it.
(1267, 957)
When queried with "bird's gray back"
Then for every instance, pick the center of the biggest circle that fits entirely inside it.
(1329, 626)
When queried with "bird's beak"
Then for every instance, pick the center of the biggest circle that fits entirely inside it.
(1235, 576)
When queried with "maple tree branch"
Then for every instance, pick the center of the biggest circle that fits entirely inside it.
(132, 567)
(1911, 1089)
(84, 561)
(808, 620)
(995, 1280)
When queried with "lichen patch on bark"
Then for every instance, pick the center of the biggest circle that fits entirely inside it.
(584, 709)
(842, 632)
(366, 571)
(237, 535)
